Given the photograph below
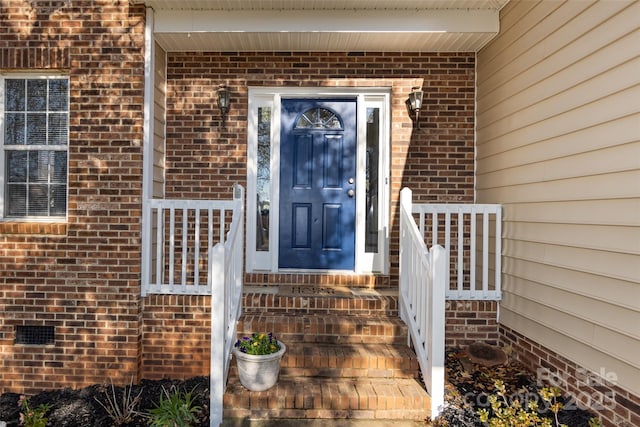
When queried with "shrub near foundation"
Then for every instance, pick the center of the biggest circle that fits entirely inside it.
(505, 395)
(516, 414)
(32, 417)
(124, 409)
(176, 409)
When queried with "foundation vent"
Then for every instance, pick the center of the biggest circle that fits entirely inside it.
(35, 335)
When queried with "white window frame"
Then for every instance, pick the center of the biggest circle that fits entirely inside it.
(365, 262)
(32, 76)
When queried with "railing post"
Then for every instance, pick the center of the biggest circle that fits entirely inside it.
(238, 197)
(439, 265)
(147, 219)
(216, 386)
(498, 255)
(406, 206)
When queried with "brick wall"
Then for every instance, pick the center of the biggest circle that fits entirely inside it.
(436, 160)
(80, 276)
(469, 321)
(177, 336)
(593, 391)
(205, 156)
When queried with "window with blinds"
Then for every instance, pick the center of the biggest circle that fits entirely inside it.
(34, 142)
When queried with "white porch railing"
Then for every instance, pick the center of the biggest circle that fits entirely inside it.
(195, 247)
(471, 235)
(422, 300)
(226, 304)
(177, 241)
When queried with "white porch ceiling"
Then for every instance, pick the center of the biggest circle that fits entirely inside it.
(325, 25)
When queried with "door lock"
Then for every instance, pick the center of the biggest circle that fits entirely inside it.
(351, 180)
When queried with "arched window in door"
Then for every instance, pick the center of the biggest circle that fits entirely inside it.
(318, 118)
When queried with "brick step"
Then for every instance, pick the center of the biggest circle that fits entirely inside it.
(329, 398)
(336, 328)
(355, 361)
(347, 357)
(320, 299)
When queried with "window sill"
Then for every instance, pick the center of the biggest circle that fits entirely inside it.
(36, 228)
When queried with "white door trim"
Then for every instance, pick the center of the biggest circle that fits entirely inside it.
(270, 97)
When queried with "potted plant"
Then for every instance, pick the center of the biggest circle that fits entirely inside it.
(258, 358)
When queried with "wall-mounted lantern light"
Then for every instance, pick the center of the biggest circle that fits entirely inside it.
(414, 103)
(223, 100)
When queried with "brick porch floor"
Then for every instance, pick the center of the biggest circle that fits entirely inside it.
(347, 356)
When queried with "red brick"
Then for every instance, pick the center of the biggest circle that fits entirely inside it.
(49, 260)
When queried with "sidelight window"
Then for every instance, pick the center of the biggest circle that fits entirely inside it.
(263, 179)
(372, 183)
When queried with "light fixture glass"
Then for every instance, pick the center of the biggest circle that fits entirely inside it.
(415, 100)
(414, 103)
(223, 100)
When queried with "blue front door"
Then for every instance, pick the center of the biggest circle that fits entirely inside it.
(317, 184)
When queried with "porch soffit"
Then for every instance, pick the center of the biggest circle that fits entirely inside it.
(325, 25)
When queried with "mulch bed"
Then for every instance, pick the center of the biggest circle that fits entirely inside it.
(80, 408)
(469, 384)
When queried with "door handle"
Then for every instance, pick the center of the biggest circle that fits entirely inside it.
(351, 193)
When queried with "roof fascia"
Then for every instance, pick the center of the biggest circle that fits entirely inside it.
(328, 21)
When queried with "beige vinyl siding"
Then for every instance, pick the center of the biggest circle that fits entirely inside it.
(159, 116)
(159, 137)
(558, 144)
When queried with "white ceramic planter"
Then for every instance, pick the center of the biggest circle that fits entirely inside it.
(259, 372)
